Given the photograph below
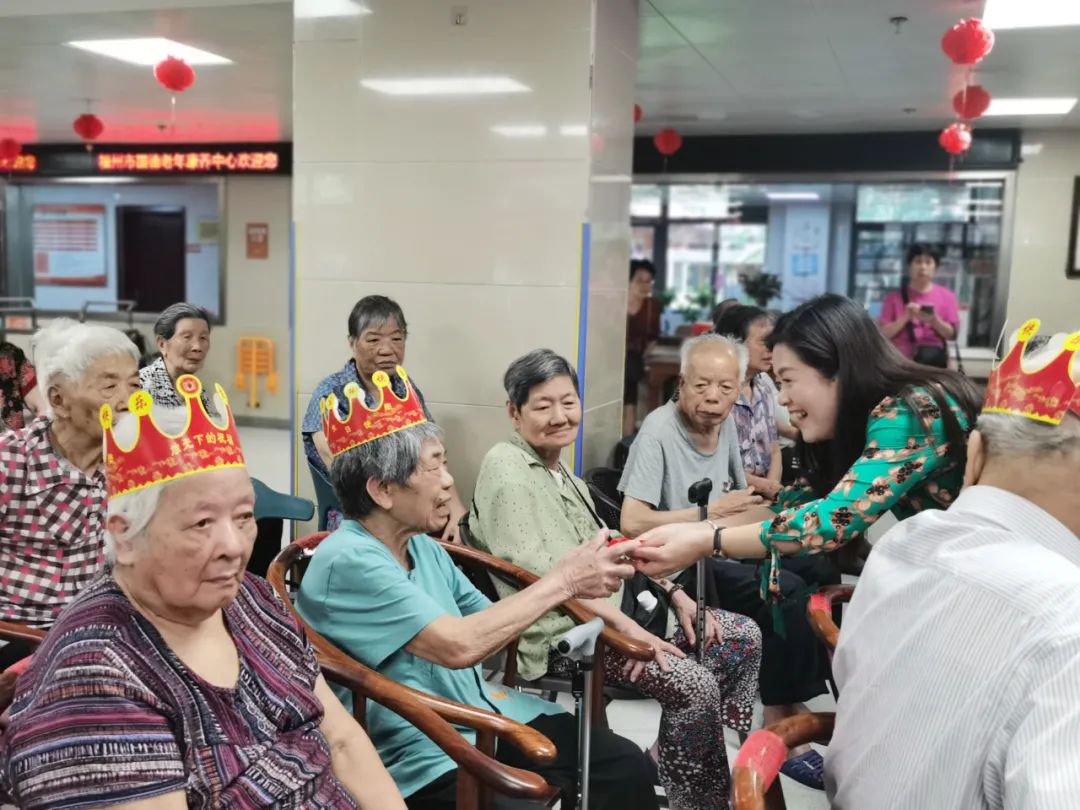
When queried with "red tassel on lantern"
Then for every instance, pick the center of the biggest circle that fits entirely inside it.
(10, 149)
(955, 138)
(174, 74)
(668, 142)
(88, 127)
(971, 102)
(638, 114)
(967, 42)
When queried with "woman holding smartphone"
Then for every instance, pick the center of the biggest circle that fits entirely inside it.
(921, 316)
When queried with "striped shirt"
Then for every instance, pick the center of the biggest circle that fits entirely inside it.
(108, 714)
(959, 664)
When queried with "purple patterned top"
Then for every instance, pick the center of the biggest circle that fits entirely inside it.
(756, 423)
(107, 714)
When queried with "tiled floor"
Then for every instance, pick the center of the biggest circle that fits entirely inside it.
(267, 453)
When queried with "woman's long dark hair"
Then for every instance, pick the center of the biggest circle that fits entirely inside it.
(836, 336)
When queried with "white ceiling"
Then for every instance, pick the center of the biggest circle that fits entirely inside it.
(44, 84)
(705, 66)
(775, 66)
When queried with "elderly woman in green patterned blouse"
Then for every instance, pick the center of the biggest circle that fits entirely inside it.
(878, 433)
(528, 509)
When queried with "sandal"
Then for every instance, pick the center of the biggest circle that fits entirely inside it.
(807, 769)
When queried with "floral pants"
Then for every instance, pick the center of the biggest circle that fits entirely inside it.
(697, 701)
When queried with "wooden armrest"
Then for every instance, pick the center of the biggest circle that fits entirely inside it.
(520, 578)
(433, 715)
(819, 612)
(21, 632)
(758, 762)
(379, 688)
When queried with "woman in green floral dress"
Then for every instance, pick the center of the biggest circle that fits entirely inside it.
(878, 434)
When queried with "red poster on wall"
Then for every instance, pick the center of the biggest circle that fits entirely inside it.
(69, 245)
(258, 240)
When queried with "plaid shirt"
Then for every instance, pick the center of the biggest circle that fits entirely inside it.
(52, 527)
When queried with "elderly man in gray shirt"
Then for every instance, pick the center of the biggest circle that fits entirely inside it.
(959, 658)
(690, 439)
(684, 441)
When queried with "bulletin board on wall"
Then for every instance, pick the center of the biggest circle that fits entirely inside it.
(69, 245)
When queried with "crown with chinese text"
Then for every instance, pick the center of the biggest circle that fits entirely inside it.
(155, 456)
(363, 424)
(1044, 394)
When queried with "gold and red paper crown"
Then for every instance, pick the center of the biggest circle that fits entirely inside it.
(1044, 394)
(156, 456)
(363, 425)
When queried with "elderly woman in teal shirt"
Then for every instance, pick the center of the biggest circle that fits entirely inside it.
(388, 595)
(527, 508)
(878, 433)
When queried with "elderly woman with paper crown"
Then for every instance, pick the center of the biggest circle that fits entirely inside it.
(176, 680)
(388, 594)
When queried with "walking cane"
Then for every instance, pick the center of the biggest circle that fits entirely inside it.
(699, 494)
(578, 646)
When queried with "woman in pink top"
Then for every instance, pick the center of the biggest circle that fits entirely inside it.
(921, 316)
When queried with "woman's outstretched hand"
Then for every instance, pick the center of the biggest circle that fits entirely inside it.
(667, 549)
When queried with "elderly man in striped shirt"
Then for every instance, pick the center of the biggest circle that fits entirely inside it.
(959, 658)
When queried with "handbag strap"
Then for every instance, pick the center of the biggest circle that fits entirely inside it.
(905, 297)
(570, 483)
(956, 347)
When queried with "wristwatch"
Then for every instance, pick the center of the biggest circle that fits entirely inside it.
(717, 541)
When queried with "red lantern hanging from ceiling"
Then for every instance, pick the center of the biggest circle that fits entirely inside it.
(638, 114)
(668, 142)
(967, 42)
(174, 74)
(955, 138)
(10, 149)
(971, 102)
(88, 127)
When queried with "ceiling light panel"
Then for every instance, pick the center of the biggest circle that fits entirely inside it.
(1031, 106)
(148, 51)
(1003, 14)
(316, 9)
(520, 130)
(446, 86)
(793, 196)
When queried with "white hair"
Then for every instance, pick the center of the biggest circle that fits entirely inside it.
(713, 340)
(137, 508)
(66, 349)
(1012, 436)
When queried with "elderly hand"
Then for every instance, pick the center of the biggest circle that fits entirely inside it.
(595, 570)
(686, 612)
(633, 668)
(667, 549)
(452, 532)
(734, 502)
(766, 487)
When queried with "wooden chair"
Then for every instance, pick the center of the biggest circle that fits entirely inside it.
(819, 612)
(754, 782)
(477, 562)
(479, 773)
